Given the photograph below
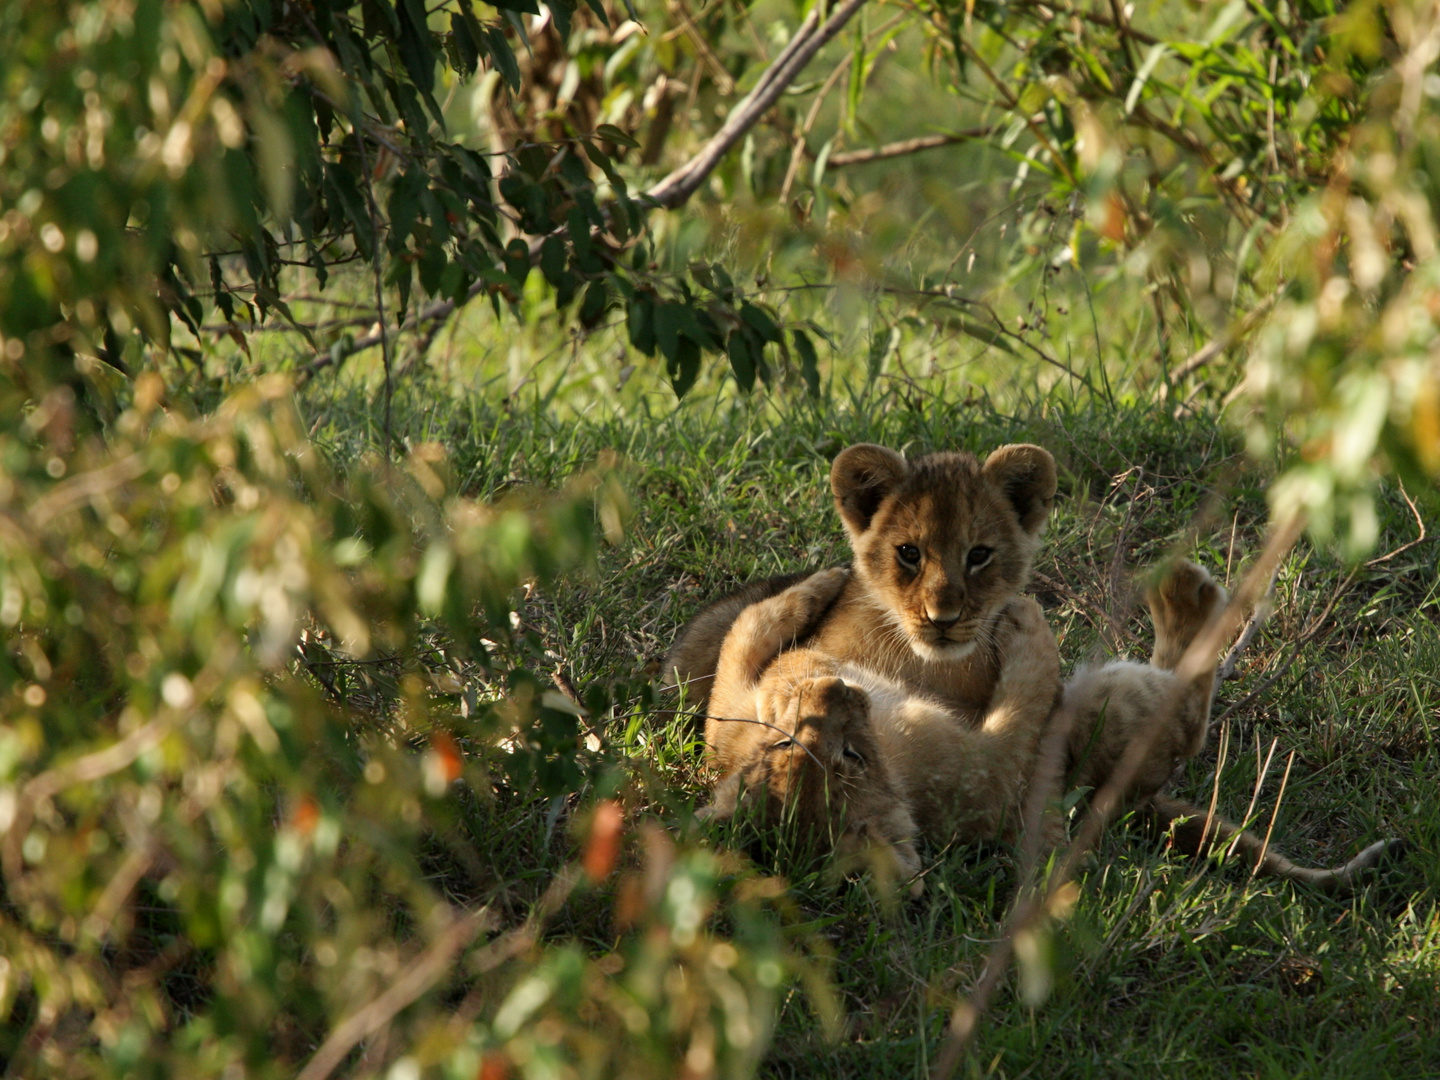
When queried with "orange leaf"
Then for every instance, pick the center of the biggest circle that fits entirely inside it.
(603, 845)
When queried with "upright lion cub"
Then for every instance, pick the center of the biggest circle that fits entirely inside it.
(952, 672)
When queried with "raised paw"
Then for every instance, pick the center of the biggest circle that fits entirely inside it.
(805, 601)
(892, 862)
(1181, 603)
(832, 700)
(1029, 658)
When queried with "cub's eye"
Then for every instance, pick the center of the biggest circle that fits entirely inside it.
(978, 557)
(783, 744)
(908, 554)
(854, 755)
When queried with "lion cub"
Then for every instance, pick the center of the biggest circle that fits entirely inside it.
(909, 695)
(953, 673)
(889, 765)
(934, 770)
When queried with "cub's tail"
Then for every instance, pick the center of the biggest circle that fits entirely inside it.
(1188, 825)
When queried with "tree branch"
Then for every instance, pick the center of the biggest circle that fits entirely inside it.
(903, 147)
(809, 39)
(676, 188)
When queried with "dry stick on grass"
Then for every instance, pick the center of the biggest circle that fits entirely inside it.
(1274, 813)
(1263, 608)
(1032, 907)
(1233, 334)
(1419, 522)
(1308, 635)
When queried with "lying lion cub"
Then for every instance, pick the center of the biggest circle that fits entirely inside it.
(841, 743)
(926, 679)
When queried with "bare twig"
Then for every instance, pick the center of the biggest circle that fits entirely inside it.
(1308, 635)
(1275, 813)
(903, 147)
(1263, 608)
(801, 148)
(1233, 334)
(723, 82)
(428, 967)
(1419, 522)
(1260, 776)
(1051, 7)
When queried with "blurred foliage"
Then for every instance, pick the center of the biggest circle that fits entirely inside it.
(214, 861)
(224, 774)
(178, 176)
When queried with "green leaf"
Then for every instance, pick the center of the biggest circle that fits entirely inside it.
(611, 133)
(822, 159)
(431, 266)
(640, 322)
(345, 191)
(562, 10)
(684, 367)
(578, 226)
(761, 321)
(415, 44)
(669, 324)
(502, 58)
(524, 7)
(809, 363)
(742, 362)
(552, 259)
(605, 165)
(593, 306)
(466, 45)
(403, 208)
(1147, 68)
(517, 261)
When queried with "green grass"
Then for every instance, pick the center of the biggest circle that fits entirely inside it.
(1165, 963)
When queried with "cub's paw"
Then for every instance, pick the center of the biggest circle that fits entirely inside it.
(832, 700)
(805, 601)
(893, 862)
(1183, 601)
(1029, 658)
(820, 708)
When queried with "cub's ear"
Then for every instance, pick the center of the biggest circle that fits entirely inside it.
(1026, 474)
(861, 477)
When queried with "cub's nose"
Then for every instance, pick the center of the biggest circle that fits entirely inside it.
(942, 620)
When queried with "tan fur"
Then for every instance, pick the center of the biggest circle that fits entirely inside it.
(920, 683)
(959, 672)
(690, 663)
(1115, 706)
(1122, 704)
